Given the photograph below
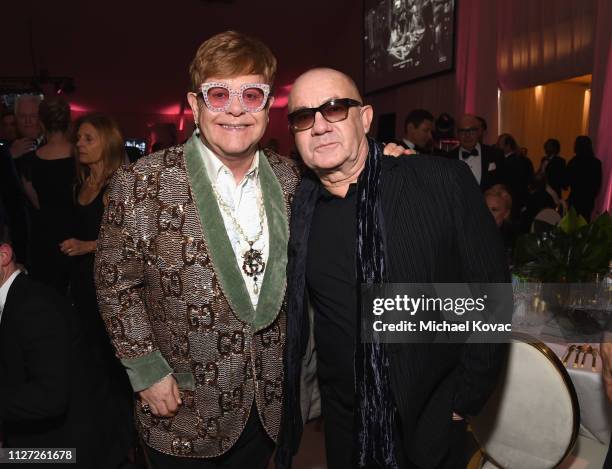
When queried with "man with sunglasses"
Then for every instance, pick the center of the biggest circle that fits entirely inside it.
(359, 217)
(190, 271)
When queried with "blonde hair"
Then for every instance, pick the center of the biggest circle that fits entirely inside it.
(230, 54)
(54, 113)
(500, 191)
(113, 149)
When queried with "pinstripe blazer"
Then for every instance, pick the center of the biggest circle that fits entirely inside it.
(437, 229)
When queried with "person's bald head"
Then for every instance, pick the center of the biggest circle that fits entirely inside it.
(469, 131)
(323, 78)
(335, 146)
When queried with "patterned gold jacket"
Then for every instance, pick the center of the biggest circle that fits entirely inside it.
(174, 301)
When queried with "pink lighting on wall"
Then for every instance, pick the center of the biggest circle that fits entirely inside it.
(280, 102)
(171, 110)
(281, 97)
(78, 108)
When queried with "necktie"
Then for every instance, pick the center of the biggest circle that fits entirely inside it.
(466, 154)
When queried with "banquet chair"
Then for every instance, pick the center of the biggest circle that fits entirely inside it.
(545, 220)
(532, 419)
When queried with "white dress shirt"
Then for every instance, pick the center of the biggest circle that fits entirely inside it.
(4, 289)
(242, 197)
(474, 162)
(408, 143)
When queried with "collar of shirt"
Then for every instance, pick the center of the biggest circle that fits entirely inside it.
(242, 200)
(215, 167)
(326, 195)
(409, 144)
(508, 154)
(477, 147)
(4, 289)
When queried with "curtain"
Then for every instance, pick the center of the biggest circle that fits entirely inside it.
(475, 60)
(543, 41)
(601, 107)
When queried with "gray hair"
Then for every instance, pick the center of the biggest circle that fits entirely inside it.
(26, 97)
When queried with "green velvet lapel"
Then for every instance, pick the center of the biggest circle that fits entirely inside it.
(219, 246)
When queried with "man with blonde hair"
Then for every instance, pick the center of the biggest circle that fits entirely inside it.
(190, 271)
(499, 201)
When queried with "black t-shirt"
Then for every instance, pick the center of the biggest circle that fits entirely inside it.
(332, 284)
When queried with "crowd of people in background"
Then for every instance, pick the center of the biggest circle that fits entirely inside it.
(53, 176)
(520, 198)
(54, 173)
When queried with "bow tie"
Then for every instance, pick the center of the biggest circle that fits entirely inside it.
(466, 154)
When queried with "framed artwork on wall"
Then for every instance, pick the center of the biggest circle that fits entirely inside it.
(405, 40)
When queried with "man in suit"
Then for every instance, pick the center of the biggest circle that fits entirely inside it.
(190, 271)
(28, 129)
(417, 131)
(485, 162)
(517, 172)
(359, 217)
(52, 391)
(552, 167)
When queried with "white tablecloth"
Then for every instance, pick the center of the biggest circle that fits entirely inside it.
(595, 410)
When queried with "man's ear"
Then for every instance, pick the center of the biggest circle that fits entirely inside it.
(270, 102)
(367, 114)
(6, 254)
(268, 107)
(192, 99)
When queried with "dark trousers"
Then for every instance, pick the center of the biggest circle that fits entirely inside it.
(338, 423)
(253, 450)
(608, 461)
(340, 436)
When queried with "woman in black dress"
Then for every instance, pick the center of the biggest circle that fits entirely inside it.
(100, 151)
(584, 177)
(48, 177)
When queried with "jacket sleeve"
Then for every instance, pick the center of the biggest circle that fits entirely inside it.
(482, 260)
(120, 284)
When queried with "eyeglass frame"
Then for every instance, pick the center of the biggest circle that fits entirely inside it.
(468, 130)
(347, 101)
(205, 87)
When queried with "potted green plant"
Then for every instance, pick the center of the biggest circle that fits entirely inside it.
(573, 251)
(569, 260)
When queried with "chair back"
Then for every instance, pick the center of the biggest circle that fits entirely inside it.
(532, 418)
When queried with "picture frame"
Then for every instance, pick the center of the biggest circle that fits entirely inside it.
(407, 40)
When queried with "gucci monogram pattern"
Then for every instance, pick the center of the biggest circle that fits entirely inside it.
(158, 291)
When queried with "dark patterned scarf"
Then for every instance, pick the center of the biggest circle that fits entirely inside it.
(375, 413)
(375, 446)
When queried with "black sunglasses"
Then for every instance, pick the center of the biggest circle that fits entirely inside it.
(335, 110)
